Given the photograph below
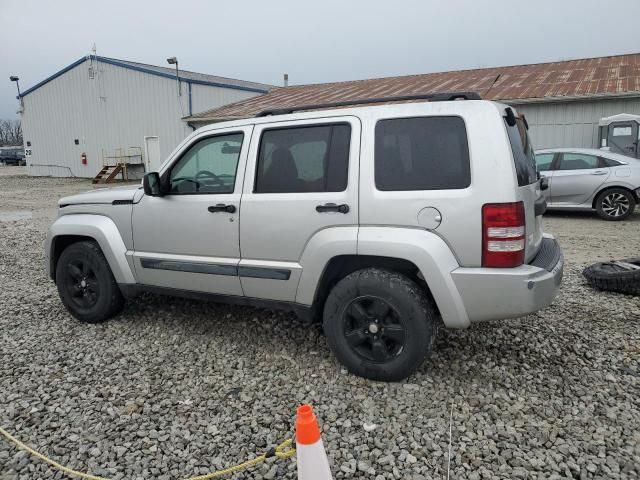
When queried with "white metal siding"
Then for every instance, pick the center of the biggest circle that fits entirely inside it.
(116, 109)
(572, 124)
(204, 97)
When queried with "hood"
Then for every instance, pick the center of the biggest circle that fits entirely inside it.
(104, 195)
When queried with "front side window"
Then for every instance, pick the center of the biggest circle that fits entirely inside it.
(544, 161)
(304, 159)
(424, 153)
(578, 161)
(209, 166)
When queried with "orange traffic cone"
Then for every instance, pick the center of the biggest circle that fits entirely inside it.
(312, 459)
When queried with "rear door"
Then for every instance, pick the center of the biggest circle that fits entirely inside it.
(302, 178)
(577, 178)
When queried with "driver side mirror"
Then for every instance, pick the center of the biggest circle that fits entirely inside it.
(151, 184)
(544, 183)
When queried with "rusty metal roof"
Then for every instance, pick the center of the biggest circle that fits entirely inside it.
(589, 77)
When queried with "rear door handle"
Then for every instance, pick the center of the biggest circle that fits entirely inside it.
(598, 172)
(221, 207)
(332, 207)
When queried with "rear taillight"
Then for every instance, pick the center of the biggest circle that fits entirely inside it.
(503, 234)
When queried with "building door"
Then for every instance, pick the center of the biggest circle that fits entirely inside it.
(152, 154)
(623, 138)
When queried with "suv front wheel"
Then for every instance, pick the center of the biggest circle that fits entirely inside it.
(85, 283)
(379, 324)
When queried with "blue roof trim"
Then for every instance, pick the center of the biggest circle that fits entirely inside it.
(173, 77)
(54, 76)
(143, 70)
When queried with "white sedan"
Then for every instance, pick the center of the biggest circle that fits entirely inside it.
(590, 179)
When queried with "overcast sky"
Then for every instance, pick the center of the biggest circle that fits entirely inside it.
(314, 41)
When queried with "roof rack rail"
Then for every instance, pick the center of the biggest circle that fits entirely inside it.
(433, 97)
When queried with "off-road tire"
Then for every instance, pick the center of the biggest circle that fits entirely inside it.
(108, 299)
(601, 209)
(614, 278)
(409, 304)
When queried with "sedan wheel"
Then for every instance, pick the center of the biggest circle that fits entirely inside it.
(615, 204)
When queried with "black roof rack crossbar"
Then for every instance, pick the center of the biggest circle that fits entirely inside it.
(433, 97)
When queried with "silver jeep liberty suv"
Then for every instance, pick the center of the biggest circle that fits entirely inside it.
(381, 221)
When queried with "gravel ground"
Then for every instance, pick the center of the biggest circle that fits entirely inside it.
(172, 388)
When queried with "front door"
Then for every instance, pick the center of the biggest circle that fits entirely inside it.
(623, 138)
(189, 238)
(577, 178)
(302, 181)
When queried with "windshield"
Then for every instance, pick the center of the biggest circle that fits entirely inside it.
(523, 154)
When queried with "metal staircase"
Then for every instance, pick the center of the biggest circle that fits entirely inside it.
(121, 160)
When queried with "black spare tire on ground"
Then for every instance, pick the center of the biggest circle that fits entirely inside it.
(380, 324)
(621, 276)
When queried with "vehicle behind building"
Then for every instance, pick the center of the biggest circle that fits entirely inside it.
(380, 221)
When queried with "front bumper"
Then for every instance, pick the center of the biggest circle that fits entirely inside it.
(494, 293)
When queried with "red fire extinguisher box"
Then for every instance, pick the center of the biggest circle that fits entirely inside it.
(83, 158)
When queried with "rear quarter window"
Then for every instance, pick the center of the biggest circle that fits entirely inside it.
(422, 153)
(523, 154)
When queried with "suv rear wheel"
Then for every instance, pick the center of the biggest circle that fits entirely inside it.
(86, 285)
(615, 204)
(379, 324)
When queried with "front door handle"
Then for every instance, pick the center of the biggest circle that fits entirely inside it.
(221, 207)
(598, 172)
(332, 207)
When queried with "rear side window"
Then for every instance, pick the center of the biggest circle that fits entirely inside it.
(425, 153)
(304, 159)
(607, 162)
(523, 155)
(578, 161)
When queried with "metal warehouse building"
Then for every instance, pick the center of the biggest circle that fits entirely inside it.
(562, 101)
(102, 110)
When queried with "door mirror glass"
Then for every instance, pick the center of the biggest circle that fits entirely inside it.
(151, 184)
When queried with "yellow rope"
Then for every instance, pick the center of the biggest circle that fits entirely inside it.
(284, 450)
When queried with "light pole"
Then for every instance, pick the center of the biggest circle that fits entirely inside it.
(13, 78)
(174, 61)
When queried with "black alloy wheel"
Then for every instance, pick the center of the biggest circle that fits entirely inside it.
(373, 329)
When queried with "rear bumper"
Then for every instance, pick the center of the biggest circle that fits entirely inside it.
(494, 293)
